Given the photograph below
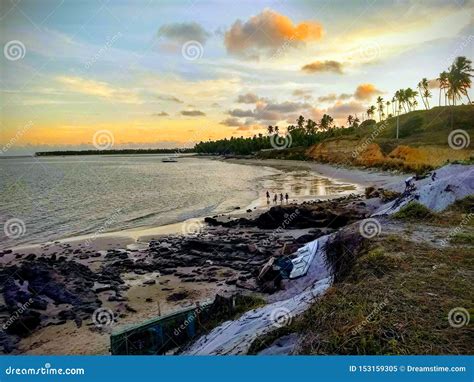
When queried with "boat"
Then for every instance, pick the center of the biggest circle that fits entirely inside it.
(169, 159)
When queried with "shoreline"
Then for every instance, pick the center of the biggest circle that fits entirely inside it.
(359, 178)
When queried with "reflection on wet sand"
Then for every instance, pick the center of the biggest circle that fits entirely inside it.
(301, 186)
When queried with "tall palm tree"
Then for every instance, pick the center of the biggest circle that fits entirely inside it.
(420, 90)
(270, 130)
(410, 95)
(380, 107)
(459, 78)
(388, 104)
(443, 85)
(426, 92)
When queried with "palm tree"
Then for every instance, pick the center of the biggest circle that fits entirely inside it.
(388, 104)
(400, 95)
(356, 122)
(420, 90)
(270, 130)
(350, 120)
(426, 92)
(380, 105)
(371, 111)
(326, 122)
(443, 84)
(459, 78)
(410, 95)
(276, 130)
(300, 122)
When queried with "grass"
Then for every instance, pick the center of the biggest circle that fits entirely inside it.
(462, 238)
(395, 299)
(412, 211)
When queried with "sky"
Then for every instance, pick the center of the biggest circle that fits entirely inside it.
(143, 74)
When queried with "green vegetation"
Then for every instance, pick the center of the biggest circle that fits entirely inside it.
(413, 210)
(115, 152)
(463, 238)
(414, 127)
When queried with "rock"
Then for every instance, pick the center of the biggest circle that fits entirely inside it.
(178, 296)
(149, 282)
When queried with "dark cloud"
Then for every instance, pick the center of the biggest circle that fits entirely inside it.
(169, 98)
(303, 93)
(343, 109)
(287, 106)
(232, 121)
(192, 113)
(269, 112)
(182, 32)
(323, 66)
(333, 97)
(248, 98)
(267, 32)
(160, 114)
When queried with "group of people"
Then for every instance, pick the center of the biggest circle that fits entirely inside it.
(275, 198)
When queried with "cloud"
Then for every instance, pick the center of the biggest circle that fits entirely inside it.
(232, 121)
(365, 92)
(323, 66)
(303, 93)
(192, 113)
(98, 89)
(343, 109)
(181, 32)
(269, 112)
(333, 97)
(160, 114)
(169, 98)
(248, 98)
(264, 33)
(287, 106)
(250, 128)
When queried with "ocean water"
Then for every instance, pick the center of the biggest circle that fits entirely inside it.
(51, 198)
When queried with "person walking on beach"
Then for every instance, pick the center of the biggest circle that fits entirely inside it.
(281, 198)
(268, 197)
(275, 198)
(286, 197)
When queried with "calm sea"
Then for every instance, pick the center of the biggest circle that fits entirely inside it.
(44, 199)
